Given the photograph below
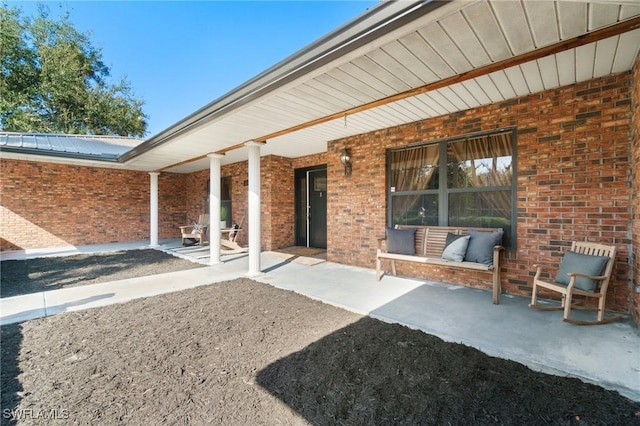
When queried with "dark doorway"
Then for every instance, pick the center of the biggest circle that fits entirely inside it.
(311, 207)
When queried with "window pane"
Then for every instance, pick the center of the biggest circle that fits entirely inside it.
(480, 162)
(414, 169)
(487, 209)
(415, 209)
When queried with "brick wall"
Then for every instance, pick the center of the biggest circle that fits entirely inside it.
(635, 186)
(53, 205)
(308, 161)
(278, 207)
(573, 159)
(172, 188)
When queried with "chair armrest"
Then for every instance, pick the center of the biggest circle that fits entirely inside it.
(573, 276)
(539, 270)
(186, 226)
(593, 277)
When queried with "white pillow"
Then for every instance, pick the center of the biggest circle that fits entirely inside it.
(455, 247)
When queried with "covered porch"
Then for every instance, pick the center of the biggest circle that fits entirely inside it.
(458, 314)
(562, 76)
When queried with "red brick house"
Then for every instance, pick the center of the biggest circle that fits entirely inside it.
(542, 96)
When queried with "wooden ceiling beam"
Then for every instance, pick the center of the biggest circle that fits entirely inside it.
(573, 43)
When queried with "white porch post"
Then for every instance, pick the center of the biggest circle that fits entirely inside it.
(153, 207)
(214, 207)
(255, 242)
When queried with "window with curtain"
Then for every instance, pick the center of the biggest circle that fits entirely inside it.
(465, 181)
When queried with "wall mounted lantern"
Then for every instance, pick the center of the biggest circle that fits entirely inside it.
(345, 159)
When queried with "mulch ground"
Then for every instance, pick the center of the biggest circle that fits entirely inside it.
(245, 353)
(50, 273)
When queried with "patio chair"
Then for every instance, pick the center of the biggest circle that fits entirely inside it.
(229, 245)
(585, 270)
(198, 232)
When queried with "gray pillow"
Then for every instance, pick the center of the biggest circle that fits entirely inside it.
(481, 246)
(455, 247)
(401, 241)
(583, 263)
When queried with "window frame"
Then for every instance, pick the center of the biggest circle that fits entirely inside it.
(443, 191)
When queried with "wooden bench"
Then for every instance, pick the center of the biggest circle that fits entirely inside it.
(429, 245)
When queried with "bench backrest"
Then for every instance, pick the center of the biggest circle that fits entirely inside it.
(430, 240)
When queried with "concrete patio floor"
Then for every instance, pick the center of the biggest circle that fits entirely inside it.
(607, 355)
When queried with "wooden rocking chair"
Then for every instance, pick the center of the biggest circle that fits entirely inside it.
(585, 270)
(229, 245)
(198, 232)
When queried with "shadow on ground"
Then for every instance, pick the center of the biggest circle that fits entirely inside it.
(372, 372)
(43, 274)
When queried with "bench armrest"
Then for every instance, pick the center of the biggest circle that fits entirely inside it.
(496, 255)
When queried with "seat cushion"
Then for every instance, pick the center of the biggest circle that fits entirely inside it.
(197, 228)
(481, 246)
(401, 241)
(584, 264)
(455, 247)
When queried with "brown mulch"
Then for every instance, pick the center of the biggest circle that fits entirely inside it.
(19, 277)
(245, 353)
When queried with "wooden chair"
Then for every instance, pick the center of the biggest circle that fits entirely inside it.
(229, 245)
(198, 232)
(576, 276)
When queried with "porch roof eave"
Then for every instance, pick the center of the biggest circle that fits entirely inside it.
(297, 106)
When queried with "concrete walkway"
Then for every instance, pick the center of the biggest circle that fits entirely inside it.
(608, 355)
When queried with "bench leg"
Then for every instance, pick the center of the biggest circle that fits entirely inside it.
(378, 269)
(496, 285)
(393, 267)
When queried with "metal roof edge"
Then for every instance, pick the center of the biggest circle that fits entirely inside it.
(372, 24)
(107, 158)
(70, 135)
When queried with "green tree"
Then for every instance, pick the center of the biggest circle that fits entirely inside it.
(53, 80)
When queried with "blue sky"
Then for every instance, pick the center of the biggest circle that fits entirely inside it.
(179, 56)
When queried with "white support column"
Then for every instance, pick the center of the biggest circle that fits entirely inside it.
(153, 207)
(214, 207)
(255, 242)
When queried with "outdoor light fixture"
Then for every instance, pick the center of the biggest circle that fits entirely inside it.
(345, 158)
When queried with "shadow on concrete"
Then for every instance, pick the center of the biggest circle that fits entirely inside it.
(375, 372)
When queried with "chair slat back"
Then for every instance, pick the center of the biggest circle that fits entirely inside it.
(593, 249)
(203, 219)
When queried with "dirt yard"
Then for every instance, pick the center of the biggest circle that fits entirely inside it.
(246, 353)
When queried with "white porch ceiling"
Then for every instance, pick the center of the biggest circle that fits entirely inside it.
(453, 39)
